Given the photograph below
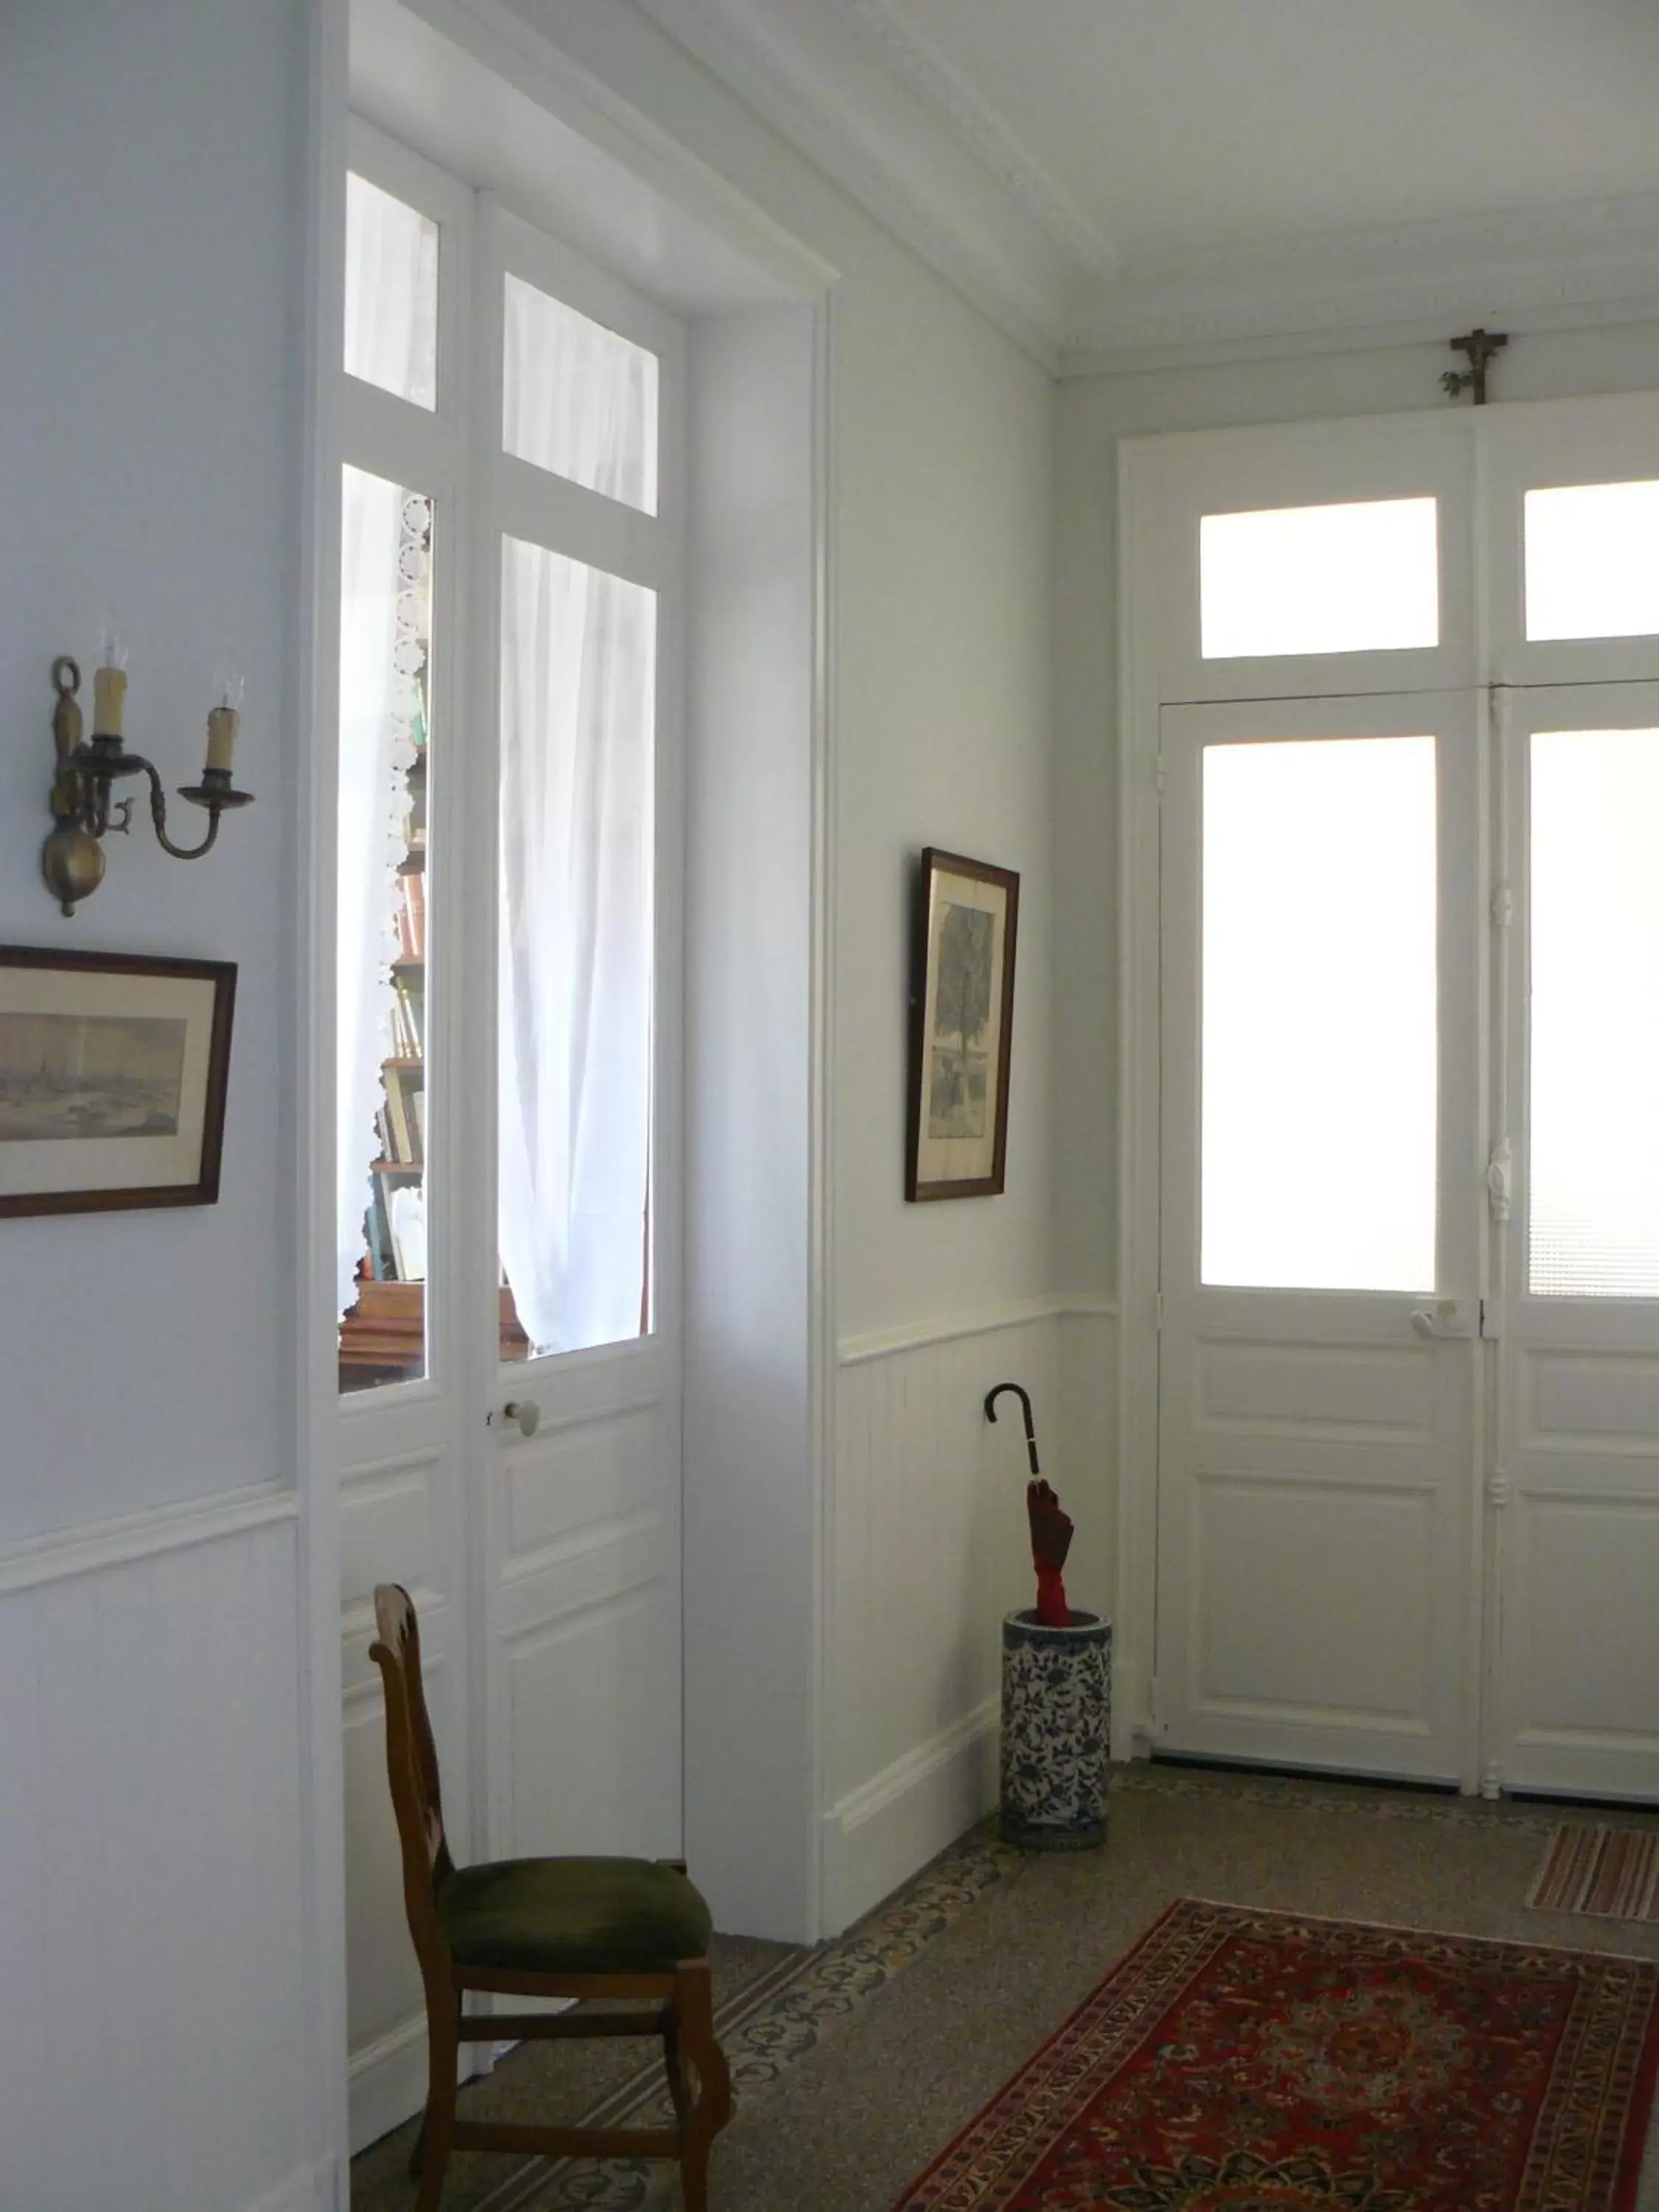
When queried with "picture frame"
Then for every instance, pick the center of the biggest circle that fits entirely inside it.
(962, 1017)
(113, 1070)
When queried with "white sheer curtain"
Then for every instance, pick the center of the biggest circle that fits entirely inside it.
(391, 321)
(577, 854)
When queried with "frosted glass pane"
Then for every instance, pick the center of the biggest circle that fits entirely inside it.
(577, 937)
(1592, 553)
(392, 293)
(1363, 577)
(579, 399)
(1595, 1019)
(1319, 1015)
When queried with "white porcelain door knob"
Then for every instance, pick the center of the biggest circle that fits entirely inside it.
(525, 1412)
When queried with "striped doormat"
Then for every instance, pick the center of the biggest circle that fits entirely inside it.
(1611, 1872)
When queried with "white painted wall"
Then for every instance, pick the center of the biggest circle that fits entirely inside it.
(750, 1502)
(147, 359)
(151, 174)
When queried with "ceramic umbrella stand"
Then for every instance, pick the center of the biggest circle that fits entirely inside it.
(1056, 1689)
(1056, 1731)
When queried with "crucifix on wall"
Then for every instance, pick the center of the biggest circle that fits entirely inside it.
(1478, 346)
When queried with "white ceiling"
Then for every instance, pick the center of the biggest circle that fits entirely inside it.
(1138, 179)
(1182, 124)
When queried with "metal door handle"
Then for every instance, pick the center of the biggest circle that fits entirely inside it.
(1445, 1319)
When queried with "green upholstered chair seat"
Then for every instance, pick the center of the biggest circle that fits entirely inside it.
(573, 1916)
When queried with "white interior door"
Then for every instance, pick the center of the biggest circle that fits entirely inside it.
(1393, 1033)
(1323, 1161)
(577, 1019)
(508, 914)
(1576, 1491)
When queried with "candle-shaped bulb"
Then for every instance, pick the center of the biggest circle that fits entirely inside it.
(109, 683)
(223, 717)
(228, 683)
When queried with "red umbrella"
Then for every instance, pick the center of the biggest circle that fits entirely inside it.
(1051, 1527)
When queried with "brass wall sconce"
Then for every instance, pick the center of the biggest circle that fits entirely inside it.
(83, 807)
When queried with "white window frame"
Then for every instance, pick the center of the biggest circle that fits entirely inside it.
(1226, 472)
(1527, 448)
(453, 454)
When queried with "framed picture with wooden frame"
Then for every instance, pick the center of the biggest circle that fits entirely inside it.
(113, 1076)
(962, 1019)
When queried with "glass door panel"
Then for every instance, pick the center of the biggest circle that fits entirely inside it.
(1594, 1057)
(577, 924)
(1320, 1011)
(386, 653)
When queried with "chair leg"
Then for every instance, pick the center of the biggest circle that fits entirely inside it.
(694, 2011)
(437, 2127)
(673, 2061)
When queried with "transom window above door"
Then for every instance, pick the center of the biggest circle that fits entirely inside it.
(1363, 576)
(1592, 560)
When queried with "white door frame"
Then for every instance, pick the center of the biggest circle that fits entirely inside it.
(1503, 448)
(597, 125)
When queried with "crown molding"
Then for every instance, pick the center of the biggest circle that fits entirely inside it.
(921, 64)
(1550, 267)
(928, 165)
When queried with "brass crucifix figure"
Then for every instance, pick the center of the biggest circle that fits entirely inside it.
(1479, 345)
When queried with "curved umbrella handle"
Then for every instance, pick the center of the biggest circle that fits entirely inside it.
(1025, 1398)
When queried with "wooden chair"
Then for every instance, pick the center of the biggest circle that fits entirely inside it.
(585, 1928)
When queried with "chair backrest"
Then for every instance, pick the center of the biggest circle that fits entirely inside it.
(411, 1759)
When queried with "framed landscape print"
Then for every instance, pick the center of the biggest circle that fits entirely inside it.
(962, 1011)
(113, 1074)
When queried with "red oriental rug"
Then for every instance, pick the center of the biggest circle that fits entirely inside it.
(1254, 2061)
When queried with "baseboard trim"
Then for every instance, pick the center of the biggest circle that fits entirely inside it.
(877, 1835)
(386, 2079)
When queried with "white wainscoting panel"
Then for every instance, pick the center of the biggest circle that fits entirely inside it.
(395, 1516)
(1579, 1525)
(152, 2034)
(1084, 1469)
(587, 1621)
(930, 1548)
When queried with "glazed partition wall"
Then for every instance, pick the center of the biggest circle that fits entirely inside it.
(1392, 694)
(508, 1147)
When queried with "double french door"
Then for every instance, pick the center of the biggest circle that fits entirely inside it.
(1409, 1356)
(1407, 984)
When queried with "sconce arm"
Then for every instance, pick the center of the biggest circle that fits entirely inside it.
(158, 815)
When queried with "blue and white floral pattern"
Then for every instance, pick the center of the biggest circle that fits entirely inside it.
(1056, 1731)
